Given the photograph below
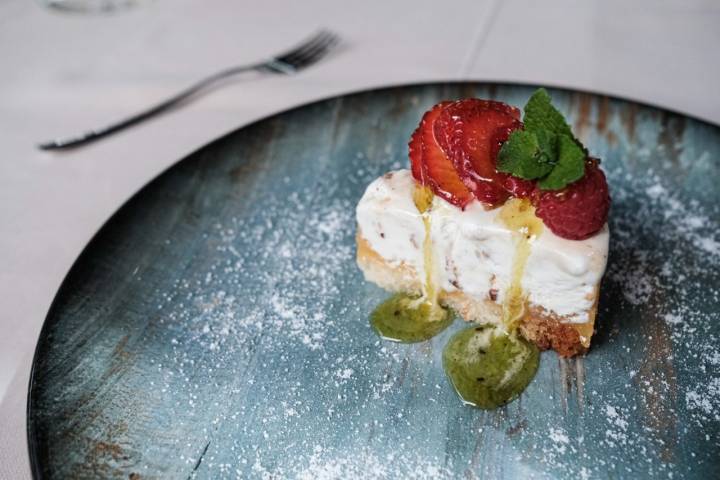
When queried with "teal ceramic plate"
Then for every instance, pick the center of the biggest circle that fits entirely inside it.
(217, 326)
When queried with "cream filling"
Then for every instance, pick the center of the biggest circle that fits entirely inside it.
(473, 250)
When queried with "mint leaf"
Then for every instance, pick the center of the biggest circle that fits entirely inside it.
(546, 149)
(548, 146)
(570, 165)
(522, 156)
(541, 115)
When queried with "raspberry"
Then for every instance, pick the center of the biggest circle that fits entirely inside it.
(579, 210)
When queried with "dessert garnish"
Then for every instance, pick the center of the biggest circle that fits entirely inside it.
(502, 221)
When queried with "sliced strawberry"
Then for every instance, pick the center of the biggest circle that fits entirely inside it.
(415, 154)
(518, 187)
(434, 168)
(441, 174)
(470, 133)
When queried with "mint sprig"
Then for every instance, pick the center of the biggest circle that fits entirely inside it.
(541, 115)
(546, 149)
(570, 166)
(523, 156)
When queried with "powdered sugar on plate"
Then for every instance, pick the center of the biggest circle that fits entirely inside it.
(273, 329)
(303, 300)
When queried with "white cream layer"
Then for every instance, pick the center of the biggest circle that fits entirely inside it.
(474, 250)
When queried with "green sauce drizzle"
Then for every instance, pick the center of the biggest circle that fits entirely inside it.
(407, 319)
(488, 367)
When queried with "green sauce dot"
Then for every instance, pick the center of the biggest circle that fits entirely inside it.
(488, 367)
(401, 319)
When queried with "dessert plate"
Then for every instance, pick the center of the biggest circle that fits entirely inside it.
(217, 325)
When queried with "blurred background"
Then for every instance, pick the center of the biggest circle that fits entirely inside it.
(68, 66)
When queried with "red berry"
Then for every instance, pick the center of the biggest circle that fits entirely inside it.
(430, 165)
(470, 133)
(415, 154)
(519, 187)
(579, 210)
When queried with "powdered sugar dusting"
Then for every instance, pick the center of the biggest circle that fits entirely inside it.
(560, 438)
(705, 399)
(372, 467)
(270, 336)
(687, 278)
(677, 222)
(299, 258)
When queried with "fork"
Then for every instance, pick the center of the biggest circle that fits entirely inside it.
(302, 56)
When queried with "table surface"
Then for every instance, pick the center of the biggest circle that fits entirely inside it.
(64, 73)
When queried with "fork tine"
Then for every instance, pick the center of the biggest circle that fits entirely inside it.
(311, 51)
(302, 46)
(314, 54)
(293, 57)
(287, 62)
(313, 57)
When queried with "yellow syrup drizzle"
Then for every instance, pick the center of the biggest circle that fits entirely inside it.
(519, 216)
(405, 317)
(423, 198)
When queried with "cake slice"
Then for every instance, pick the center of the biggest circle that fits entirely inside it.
(473, 252)
(504, 221)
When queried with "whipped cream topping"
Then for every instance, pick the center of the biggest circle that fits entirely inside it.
(473, 249)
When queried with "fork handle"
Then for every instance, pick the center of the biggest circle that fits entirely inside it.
(164, 106)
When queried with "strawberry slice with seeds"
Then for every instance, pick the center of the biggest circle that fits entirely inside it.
(470, 133)
(518, 187)
(415, 154)
(439, 169)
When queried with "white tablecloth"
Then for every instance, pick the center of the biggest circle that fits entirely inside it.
(61, 74)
